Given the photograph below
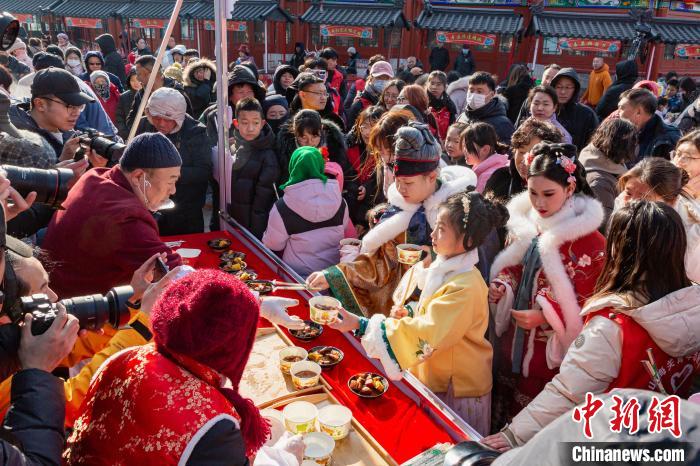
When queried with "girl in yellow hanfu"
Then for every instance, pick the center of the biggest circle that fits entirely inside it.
(366, 284)
(443, 343)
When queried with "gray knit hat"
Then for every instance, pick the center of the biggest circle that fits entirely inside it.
(417, 151)
(150, 150)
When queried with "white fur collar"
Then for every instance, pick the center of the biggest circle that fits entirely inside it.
(454, 179)
(580, 216)
(443, 270)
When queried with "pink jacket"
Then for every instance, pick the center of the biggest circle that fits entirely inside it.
(314, 201)
(486, 168)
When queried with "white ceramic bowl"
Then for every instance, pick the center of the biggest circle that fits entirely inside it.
(319, 447)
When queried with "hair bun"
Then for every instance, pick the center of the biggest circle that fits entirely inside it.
(415, 141)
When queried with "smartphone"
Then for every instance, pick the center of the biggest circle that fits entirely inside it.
(159, 269)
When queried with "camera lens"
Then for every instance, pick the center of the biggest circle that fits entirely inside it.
(107, 148)
(51, 185)
(94, 311)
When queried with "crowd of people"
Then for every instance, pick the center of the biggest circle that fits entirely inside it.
(560, 227)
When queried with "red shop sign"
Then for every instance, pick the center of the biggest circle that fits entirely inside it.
(328, 30)
(149, 23)
(688, 50)
(236, 26)
(590, 45)
(23, 18)
(90, 23)
(473, 38)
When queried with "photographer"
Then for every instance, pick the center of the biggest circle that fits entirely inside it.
(107, 229)
(31, 278)
(37, 406)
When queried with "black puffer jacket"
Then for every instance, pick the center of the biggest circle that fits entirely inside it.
(493, 113)
(124, 107)
(517, 95)
(367, 98)
(201, 93)
(254, 174)
(657, 139)
(191, 189)
(113, 61)
(35, 420)
(334, 140)
(279, 71)
(578, 119)
(626, 75)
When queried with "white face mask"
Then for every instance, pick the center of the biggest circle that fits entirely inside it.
(475, 101)
(379, 85)
(73, 62)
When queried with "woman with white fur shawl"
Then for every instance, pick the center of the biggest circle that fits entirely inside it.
(365, 285)
(540, 281)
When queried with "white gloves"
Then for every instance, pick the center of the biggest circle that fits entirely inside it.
(288, 451)
(274, 309)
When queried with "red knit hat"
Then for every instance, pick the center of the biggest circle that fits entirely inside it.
(212, 317)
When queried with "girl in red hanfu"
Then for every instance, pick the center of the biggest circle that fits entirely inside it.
(644, 310)
(176, 402)
(542, 278)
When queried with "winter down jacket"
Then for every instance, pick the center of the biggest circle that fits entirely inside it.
(307, 247)
(626, 75)
(578, 119)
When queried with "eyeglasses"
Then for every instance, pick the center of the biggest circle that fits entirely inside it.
(388, 96)
(682, 157)
(320, 73)
(70, 108)
(401, 99)
(320, 94)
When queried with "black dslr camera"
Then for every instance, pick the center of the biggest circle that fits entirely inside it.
(93, 311)
(101, 144)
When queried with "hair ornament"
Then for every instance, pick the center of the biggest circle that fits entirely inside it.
(324, 153)
(529, 158)
(569, 166)
(465, 208)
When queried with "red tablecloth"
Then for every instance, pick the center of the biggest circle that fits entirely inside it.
(396, 421)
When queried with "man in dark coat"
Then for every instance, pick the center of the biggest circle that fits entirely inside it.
(166, 114)
(255, 170)
(656, 138)
(299, 55)
(579, 120)
(483, 105)
(464, 63)
(625, 76)
(439, 57)
(113, 61)
(200, 82)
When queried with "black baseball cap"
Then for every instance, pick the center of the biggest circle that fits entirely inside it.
(62, 84)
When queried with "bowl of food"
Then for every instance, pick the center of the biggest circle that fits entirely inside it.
(318, 447)
(219, 244)
(325, 356)
(246, 275)
(309, 332)
(189, 255)
(230, 256)
(409, 254)
(261, 286)
(289, 356)
(335, 421)
(323, 309)
(305, 374)
(368, 385)
(233, 266)
(300, 417)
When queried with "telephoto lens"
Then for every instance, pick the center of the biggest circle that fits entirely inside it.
(107, 148)
(92, 312)
(50, 185)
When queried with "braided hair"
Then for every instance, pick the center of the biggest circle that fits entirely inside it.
(474, 216)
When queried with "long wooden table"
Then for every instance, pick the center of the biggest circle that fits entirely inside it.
(407, 420)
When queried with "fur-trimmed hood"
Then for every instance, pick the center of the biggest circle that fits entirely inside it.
(454, 179)
(188, 74)
(462, 84)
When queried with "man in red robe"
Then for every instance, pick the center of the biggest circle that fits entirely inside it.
(107, 229)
